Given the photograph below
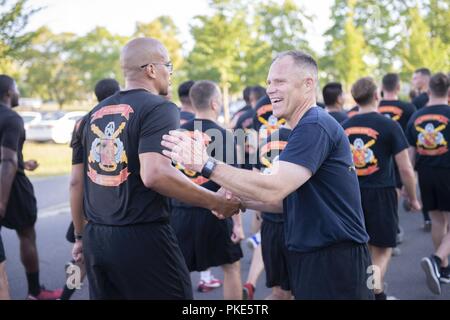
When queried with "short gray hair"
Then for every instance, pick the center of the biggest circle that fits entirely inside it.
(301, 59)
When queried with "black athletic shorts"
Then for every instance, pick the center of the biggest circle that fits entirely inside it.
(332, 273)
(380, 207)
(70, 234)
(135, 262)
(21, 211)
(205, 241)
(2, 250)
(434, 184)
(275, 254)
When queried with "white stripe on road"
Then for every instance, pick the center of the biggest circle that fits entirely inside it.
(54, 210)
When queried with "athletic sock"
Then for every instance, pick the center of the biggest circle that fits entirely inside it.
(380, 296)
(67, 293)
(34, 287)
(205, 275)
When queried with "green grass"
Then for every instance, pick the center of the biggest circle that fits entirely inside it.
(53, 159)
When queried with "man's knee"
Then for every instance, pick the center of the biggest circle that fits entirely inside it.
(27, 233)
(232, 268)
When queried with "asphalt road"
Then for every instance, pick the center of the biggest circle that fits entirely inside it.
(405, 278)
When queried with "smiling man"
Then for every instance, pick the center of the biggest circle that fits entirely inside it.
(314, 184)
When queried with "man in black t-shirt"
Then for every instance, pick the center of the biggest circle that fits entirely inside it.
(245, 108)
(247, 124)
(333, 96)
(274, 250)
(18, 202)
(420, 83)
(103, 89)
(187, 112)
(130, 250)
(204, 240)
(399, 111)
(314, 186)
(376, 143)
(428, 133)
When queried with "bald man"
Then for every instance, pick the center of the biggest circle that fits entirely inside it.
(129, 248)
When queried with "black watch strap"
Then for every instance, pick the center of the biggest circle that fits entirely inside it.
(208, 168)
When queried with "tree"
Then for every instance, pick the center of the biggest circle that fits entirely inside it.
(221, 41)
(14, 17)
(346, 49)
(421, 49)
(96, 55)
(51, 74)
(273, 28)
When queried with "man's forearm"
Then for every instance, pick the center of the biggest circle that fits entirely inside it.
(243, 183)
(172, 183)
(263, 206)
(409, 181)
(76, 207)
(8, 171)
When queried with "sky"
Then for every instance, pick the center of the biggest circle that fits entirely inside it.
(120, 17)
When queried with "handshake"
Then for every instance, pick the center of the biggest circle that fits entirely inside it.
(227, 204)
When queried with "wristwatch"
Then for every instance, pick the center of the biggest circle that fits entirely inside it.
(78, 237)
(208, 168)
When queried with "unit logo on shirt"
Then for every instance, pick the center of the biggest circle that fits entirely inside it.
(391, 112)
(195, 177)
(431, 141)
(363, 156)
(107, 150)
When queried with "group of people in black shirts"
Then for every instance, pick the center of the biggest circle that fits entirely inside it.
(151, 203)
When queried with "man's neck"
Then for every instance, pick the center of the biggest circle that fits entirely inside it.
(368, 109)
(423, 89)
(5, 103)
(390, 95)
(334, 108)
(206, 116)
(300, 111)
(140, 84)
(437, 101)
(187, 108)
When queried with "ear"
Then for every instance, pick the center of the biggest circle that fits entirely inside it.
(310, 84)
(150, 71)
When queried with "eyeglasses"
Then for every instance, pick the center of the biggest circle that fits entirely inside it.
(168, 65)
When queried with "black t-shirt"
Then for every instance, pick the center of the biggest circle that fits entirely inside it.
(269, 153)
(421, 100)
(221, 146)
(353, 111)
(398, 111)
(238, 114)
(245, 123)
(374, 141)
(12, 136)
(340, 116)
(429, 131)
(108, 141)
(265, 123)
(326, 210)
(186, 116)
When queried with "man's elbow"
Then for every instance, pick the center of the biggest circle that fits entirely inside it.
(153, 179)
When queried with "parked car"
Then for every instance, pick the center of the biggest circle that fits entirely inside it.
(56, 126)
(30, 117)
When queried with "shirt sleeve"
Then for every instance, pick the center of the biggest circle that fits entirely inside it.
(411, 132)
(156, 123)
(398, 139)
(309, 146)
(12, 133)
(76, 142)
